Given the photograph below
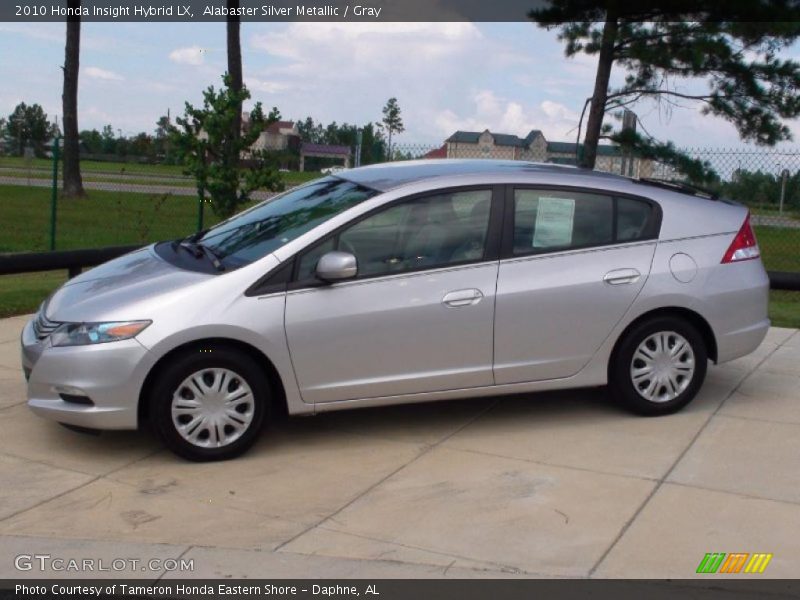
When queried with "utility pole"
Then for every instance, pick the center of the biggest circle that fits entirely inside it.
(54, 195)
(784, 177)
(629, 120)
(359, 138)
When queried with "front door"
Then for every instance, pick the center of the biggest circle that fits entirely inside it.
(419, 315)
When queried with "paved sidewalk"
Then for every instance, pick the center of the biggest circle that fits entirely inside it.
(551, 485)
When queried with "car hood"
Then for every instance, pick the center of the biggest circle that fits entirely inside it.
(119, 288)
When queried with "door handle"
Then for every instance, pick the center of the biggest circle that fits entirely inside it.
(462, 298)
(620, 276)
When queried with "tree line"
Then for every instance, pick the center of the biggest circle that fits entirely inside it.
(762, 189)
(28, 126)
(29, 129)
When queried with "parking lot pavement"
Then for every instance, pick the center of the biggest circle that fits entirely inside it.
(548, 485)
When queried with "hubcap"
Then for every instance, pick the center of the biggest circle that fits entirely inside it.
(212, 408)
(662, 366)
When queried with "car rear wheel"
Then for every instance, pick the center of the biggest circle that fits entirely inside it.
(659, 366)
(210, 403)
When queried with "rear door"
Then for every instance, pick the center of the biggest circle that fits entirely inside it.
(573, 262)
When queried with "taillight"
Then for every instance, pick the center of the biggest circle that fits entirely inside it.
(744, 245)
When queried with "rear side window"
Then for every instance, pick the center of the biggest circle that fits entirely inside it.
(633, 219)
(550, 220)
(554, 220)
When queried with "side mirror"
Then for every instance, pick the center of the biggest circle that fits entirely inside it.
(337, 266)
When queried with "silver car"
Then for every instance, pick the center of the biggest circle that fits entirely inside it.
(404, 282)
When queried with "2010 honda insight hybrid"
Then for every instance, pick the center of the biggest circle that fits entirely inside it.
(404, 282)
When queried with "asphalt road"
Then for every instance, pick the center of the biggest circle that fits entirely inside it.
(150, 188)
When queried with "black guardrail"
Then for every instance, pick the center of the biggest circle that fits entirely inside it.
(75, 261)
(784, 280)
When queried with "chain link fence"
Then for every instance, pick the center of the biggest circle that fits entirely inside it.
(766, 180)
(126, 202)
(133, 201)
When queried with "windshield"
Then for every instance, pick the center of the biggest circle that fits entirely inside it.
(266, 227)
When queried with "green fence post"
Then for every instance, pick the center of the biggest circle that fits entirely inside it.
(54, 195)
(201, 197)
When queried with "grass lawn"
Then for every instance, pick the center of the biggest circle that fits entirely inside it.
(780, 247)
(20, 294)
(101, 219)
(94, 165)
(784, 308)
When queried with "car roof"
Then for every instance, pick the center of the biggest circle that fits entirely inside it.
(388, 176)
(686, 213)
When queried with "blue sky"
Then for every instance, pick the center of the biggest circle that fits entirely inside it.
(508, 77)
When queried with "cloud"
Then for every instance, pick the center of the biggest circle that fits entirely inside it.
(502, 115)
(293, 41)
(46, 32)
(53, 34)
(191, 55)
(345, 72)
(98, 73)
(356, 49)
(269, 87)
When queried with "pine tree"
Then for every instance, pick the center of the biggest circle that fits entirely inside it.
(204, 142)
(392, 121)
(733, 45)
(73, 182)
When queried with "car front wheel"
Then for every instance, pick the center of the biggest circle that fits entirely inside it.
(210, 403)
(659, 366)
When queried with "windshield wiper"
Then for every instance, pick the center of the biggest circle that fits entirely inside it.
(209, 254)
(199, 250)
(175, 244)
(191, 238)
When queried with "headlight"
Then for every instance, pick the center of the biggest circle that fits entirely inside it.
(81, 334)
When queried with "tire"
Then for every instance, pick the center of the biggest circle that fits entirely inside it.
(210, 403)
(651, 382)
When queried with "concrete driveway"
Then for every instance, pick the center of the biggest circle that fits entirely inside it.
(557, 484)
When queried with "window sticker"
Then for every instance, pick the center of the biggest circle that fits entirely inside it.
(554, 222)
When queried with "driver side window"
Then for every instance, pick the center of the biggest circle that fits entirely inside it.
(433, 231)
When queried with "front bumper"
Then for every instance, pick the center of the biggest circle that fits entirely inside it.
(110, 375)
